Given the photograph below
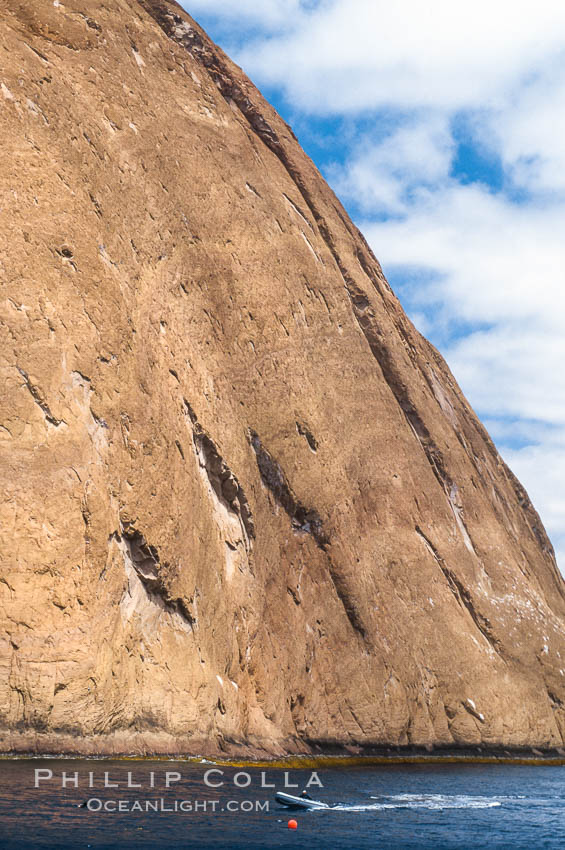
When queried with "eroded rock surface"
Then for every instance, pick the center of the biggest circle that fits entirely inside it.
(245, 506)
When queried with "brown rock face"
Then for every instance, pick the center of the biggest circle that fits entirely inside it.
(244, 502)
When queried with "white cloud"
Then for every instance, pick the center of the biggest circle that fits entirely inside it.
(514, 371)
(494, 260)
(350, 55)
(267, 14)
(380, 177)
(529, 132)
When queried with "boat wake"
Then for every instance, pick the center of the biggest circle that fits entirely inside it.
(421, 801)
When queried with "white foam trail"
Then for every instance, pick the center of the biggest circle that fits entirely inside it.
(422, 801)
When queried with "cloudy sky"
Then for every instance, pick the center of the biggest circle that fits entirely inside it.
(441, 126)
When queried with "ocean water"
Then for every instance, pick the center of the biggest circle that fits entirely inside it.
(393, 806)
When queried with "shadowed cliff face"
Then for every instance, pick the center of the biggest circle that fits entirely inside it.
(245, 506)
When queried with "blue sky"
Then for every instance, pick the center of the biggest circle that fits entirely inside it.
(441, 128)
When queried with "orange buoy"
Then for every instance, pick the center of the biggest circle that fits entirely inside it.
(292, 824)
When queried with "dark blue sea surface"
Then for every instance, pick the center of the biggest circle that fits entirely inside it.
(395, 806)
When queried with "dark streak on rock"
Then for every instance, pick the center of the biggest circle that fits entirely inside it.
(222, 480)
(146, 562)
(307, 434)
(463, 596)
(272, 475)
(39, 399)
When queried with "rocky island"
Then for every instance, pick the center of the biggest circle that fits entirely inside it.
(245, 508)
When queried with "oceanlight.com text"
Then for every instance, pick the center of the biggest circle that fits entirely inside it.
(95, 804)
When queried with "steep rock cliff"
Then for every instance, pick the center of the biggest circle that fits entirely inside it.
(245, 505)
